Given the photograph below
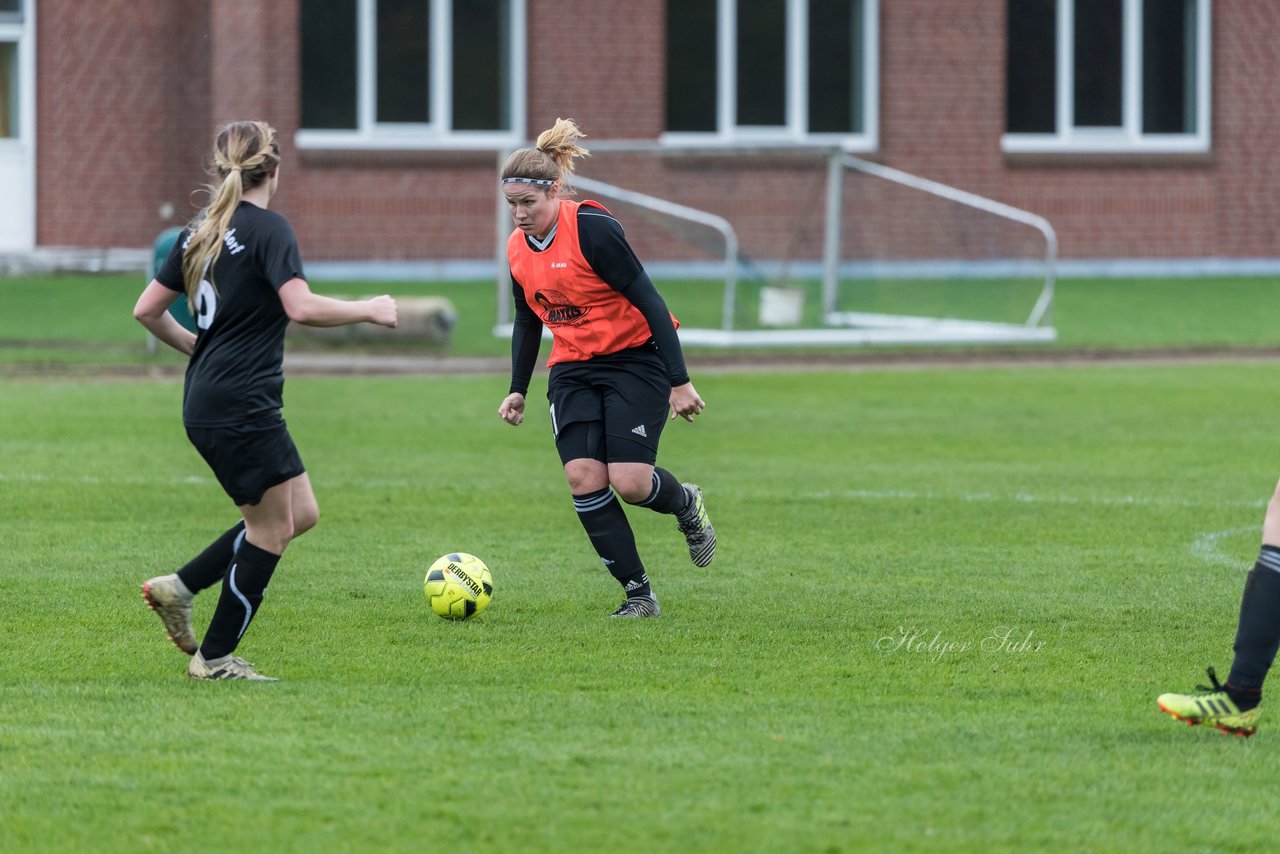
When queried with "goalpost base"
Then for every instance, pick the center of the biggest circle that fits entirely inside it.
(881, 329)
(861, 328)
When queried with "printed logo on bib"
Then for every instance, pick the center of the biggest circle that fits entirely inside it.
(555, 309)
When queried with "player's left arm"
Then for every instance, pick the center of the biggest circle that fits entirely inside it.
(152, 308)
(685, 401)
(605, 247)
(152, 311)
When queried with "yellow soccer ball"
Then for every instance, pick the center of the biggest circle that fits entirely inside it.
(458, 586)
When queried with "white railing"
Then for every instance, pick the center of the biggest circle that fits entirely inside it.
(1041, 313)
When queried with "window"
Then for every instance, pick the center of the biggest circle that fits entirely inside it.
(8, 90)
(761, 70)
(411, 73)
(10, 73)
(1107, 75)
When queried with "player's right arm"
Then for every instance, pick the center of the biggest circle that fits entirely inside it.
(512, 409)
(278, 259)
(526, 338)
(312, 309)
(152, 311)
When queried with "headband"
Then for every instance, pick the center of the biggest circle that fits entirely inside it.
(542, 182)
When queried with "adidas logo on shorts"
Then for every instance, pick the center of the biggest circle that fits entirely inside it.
(640, 431)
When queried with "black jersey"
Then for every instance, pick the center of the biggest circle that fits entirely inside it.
(236, 373)
(604, 245)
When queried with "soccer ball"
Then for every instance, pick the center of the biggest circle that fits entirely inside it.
(458, 586)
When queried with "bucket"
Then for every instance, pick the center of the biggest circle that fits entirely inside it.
(781, 306)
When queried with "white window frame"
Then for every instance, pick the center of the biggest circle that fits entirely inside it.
(23, 145)
(436, 134)
(731, 133)
(23, 36)
(1128, 137)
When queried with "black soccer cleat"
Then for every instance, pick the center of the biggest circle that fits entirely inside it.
(638, 606)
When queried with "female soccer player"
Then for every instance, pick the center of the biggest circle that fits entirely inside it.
(239, 267)
(1233, 707)
(616, 363)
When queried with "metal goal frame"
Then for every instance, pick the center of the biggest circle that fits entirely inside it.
(840, 328)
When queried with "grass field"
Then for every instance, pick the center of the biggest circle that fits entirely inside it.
(942, 605)
(941, 609)
(87, 319)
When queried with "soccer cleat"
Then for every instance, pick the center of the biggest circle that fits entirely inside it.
(170, 598)
(638, 606)
(695, 524)
(1211, 705)
(227, 667)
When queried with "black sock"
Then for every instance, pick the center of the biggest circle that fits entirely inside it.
(1258, 632)
(606, 524)
(667, 495)
(207, 568)
(246, 581)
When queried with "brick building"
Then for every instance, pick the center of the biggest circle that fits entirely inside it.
(1140, 129)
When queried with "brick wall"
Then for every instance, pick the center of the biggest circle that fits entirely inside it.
(604, 70)
(130, 91)
(1244, 215)
(121, 121)
(1222, 204)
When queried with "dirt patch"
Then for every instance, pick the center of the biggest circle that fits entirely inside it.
(338, 364)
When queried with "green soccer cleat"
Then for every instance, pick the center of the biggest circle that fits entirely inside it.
(695, 524)
(1211, 705)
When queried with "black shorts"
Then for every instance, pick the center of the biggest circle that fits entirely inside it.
(248, 459)
(610, 408)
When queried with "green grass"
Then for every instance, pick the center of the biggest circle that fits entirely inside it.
(69, 320)
(76, 319)
(1103, 515)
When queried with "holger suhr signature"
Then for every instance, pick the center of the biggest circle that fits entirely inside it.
(1001, 640)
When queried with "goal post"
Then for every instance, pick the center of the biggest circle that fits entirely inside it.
(885, 257)
(1041, 311)
(718, 224)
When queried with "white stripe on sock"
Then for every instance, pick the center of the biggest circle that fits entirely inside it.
(653, 493)
(586, 506)
(248, 609)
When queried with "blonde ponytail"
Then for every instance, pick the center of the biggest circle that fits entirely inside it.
(550, 161)
(245, 154)
(205, 243)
